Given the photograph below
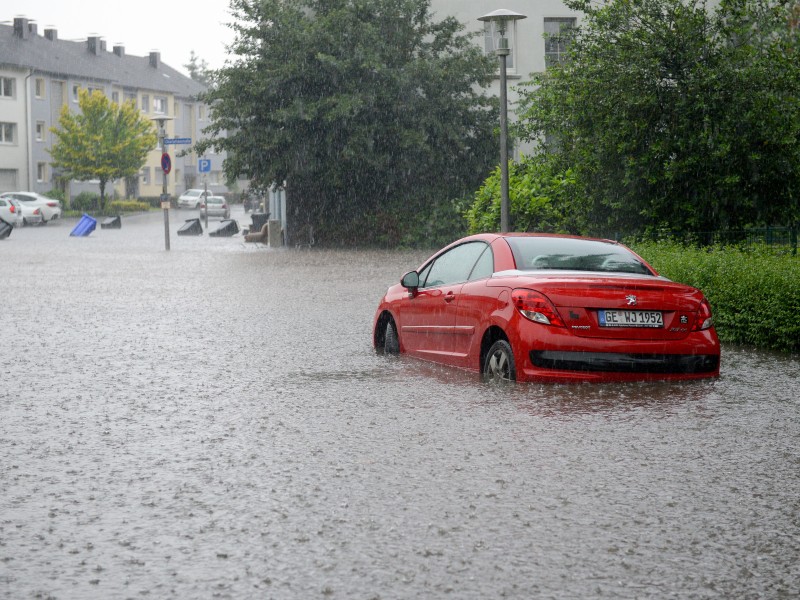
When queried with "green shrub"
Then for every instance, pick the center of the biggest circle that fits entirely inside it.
(754, 293)
(54, 194)
(122, 206)
(85, 202)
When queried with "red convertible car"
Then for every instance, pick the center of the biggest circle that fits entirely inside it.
(538, 307)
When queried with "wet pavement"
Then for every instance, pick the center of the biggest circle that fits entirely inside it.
(211, 422)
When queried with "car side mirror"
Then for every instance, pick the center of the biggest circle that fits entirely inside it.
(410, 281)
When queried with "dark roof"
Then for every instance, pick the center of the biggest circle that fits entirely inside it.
(64, 58)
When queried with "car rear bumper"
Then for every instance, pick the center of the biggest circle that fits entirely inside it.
(621, 362)
(546, 353)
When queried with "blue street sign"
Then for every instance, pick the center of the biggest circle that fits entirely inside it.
(177, 140)
(166, 163)
(204, 165)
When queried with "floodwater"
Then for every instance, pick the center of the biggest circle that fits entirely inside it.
(212, 422)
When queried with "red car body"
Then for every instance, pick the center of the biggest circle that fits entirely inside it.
(596, 312)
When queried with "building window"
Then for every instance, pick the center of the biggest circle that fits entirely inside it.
(39, 87)
(40, 129)
(8, 133)
(75, 89)
(145, 175)
(159, 105)
(145, 103)
(556, 39)
(115, 97)
(201, 112)
(491, 36)
(41, 172)
(131, 98)
(7, 87)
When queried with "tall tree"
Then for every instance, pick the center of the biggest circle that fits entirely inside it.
(198, 69)
(674, 114)
(104, 141)
(370, 112)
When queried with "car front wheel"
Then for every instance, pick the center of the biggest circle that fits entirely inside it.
(499, 363)
(391, 344)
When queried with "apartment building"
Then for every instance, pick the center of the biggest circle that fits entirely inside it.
(39, 74)
(534, 41)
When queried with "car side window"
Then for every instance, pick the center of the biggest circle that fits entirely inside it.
(454, 266)
(485, 265)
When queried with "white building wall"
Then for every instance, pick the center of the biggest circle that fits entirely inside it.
(14, 163)
(527, 43)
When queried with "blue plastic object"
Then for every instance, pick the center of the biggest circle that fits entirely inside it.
(85, 226)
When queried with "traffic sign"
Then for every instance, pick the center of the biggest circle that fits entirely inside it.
(177, 140)
(166, 163)
(204, 165)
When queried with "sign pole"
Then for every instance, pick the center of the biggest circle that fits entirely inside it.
(204, 166)
(166, 167)
(164, 196)
(205, 186)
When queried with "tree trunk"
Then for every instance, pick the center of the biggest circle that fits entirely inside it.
(102, 196)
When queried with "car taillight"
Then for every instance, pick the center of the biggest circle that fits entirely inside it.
(704, 320)
(536, 307)
(36, 211)
(12, 209)
(52, 204)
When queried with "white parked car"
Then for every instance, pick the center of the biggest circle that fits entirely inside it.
(31, 215)
(50, 208)
(191, 198)
(216, 206)
(11, 212)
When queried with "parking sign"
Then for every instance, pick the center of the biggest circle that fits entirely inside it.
(204, 165)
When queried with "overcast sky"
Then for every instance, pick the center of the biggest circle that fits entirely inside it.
(173, 27)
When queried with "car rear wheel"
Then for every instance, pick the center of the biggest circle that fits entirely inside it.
(391, 344)
(499, 363)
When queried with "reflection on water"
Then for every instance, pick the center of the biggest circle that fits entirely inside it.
(212, 422)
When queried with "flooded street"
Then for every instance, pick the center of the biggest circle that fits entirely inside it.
(212, 422)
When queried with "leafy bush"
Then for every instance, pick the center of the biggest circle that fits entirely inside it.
(541, 198)
(754, 293)
(122, 206)
(85, 202)
(54, 194)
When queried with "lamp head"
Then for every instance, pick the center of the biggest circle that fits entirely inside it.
(502, 16)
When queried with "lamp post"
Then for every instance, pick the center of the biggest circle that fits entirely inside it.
(501, 17)
(166, 167)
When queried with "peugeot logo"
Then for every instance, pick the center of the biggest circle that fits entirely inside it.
(631, 299)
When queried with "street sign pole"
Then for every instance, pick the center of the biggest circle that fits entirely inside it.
(204, 166)
(166, 167)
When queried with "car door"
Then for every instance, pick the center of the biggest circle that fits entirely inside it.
(428, 326)
(475, 302)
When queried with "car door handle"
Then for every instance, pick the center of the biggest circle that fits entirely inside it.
(449, 297)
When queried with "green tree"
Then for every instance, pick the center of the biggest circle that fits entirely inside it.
(198, 69)
(104, 141)
(370, 112)
(673, 115)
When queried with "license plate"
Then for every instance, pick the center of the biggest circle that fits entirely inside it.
(631, 318)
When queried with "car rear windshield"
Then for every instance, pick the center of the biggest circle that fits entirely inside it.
(533, 253)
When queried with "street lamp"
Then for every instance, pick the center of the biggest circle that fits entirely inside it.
(501, 17)
(166, 167)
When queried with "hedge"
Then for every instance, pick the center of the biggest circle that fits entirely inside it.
(754, 293)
